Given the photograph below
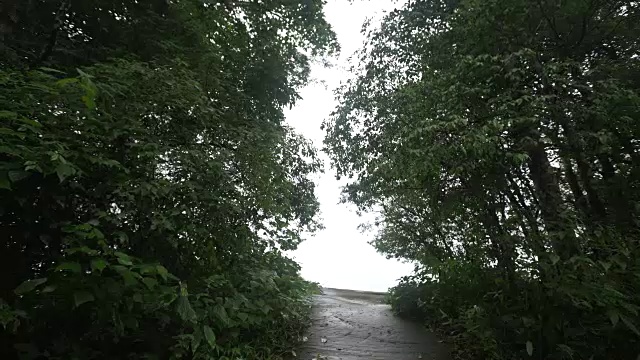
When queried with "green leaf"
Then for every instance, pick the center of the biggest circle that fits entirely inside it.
(221, 312)
(48, 69)
(521, 157)
(196, 339)
(89, 101)
(64, 170)
(184, 309)
(614, 316)
(83, 74)
(128, 275)
(98, 264)
(566, 349)
(66, 81)
(95, 234)
(183, 290)
(16, 176)
(4, 114)
(4, 181)
(630, 325)
(554, 258)
(29, 285)
(129, 278)
(70, 266)
(633, 309)
(620, 262)
(82, 249)
(150, 282)
(123, 258)
(605, 265)
(162, 271)
(29, 122)
(530, 348)
(243, 317)
(48, 289)
(210, 336)
(81, 297)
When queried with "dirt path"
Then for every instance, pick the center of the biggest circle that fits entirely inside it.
(353, 325)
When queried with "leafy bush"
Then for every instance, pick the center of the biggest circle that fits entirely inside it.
(498, 140)
(564, 316)
(148, 185)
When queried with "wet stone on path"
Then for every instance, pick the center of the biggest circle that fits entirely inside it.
(354, 325)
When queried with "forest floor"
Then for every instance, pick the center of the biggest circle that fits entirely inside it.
(354, 325)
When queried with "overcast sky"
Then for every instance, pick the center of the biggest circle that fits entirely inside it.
(340, 255)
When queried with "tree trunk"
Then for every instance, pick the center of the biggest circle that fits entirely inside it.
(553, 210)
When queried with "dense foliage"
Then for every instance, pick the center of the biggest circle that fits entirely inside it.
(499, 141)
(148, 184)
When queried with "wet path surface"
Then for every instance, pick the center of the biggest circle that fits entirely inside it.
(353, 325)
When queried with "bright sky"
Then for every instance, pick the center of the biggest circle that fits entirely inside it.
(340, 255)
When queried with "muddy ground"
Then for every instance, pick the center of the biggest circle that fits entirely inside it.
(353, 325)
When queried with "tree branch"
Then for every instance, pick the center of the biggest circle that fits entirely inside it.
(53, 37)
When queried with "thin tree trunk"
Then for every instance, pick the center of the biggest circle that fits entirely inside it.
(553, 210)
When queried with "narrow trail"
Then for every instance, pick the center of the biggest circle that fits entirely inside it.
(353, 325)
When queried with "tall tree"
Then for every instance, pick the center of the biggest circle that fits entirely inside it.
(498, 139)
(148, 183)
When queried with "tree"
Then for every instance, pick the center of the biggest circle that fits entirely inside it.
(497, 139)
(148, 183)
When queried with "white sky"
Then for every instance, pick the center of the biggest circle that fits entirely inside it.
(340, 255)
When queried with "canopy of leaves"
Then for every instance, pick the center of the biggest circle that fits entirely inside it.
(499, 141)
(148, 184)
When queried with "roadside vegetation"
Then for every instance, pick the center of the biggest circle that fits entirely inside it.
(499, 141)
(148, 183)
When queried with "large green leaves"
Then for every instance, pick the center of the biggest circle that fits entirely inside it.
(209, 336)
(142, 147)
(184, 309)
(82, 297)
(497, 158)
(29, 285)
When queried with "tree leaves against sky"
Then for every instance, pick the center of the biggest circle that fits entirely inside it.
(148, 183)
(499, 142)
